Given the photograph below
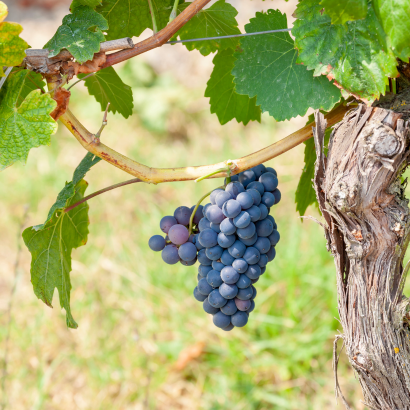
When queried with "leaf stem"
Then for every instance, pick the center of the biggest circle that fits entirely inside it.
(104, 122)
(174, 11)
(154, 20)
(226, 169)
(81, 79)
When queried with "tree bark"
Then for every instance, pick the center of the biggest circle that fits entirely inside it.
(361, 197)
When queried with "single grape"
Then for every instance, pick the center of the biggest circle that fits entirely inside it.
(199, 296)
(214, 194)
(203, 259)
(274, 238)
(263, 270)
(263, 261)
(257, 197)
(198, 214)
(242, 305)
(245, 199)
(234, 188)
(178, 234)
(225, 241)
(228, 328)
(209, 308)
(243, 219)
(243, 282)
(252, 255)
(198, 245)
(243, 294)
(203, 270)
(208, 238)
(278, 196)
(226, 258)
(221, 320)
(270, 169)
(215, 215)
(228, 291)
(183, 214)
(188, 263)
(205, 209)
(257, 186)
(264, 227)
(253, 272)
(252, 306)
(262, 245)
(239, 319)
(204, 287)
(170, 254)
(187, 251)
(214, 253)
(227, 226)
(272, 219)
(216, 300)
(230, 307)
(246, 177)
(237, 250)
(264, 211)
(248, 232)
(259, 170)
(269, 181)
(204, 224)
(231, 208)
(157, 243)
(268, 199)
(240, 265)
(222, 197)
(271, 254)
(214, 278)
(217, 265)
(255, 292)
(216, 227)
(166, 223)
(229, 275)
(254, 212)
(250, 241)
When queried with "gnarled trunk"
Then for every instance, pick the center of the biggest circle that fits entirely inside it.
(361, 197)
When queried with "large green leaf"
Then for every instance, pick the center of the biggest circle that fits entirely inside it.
(51, 248)
(32, 81)
(217, 20)
(355, 54)
(80, 34)
(341, 11)
(394, 16)
(225, 102)
(26, 125)
(107, 87)
(128, 18)
(90, 3)
(266, 68)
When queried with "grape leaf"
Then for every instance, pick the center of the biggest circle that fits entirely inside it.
(341, 11)
(356, 54)
(32, 81)
(394, 17)
(90, 3)
(266, 67)
(80, 34)
(51, 247)
(107, 87)
(217, 20)
(26, 126)
(12, 47)
(128, 18)
(225, 102)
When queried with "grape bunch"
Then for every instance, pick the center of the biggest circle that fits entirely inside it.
(233, 238)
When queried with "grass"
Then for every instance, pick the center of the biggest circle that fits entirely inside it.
(143, 342)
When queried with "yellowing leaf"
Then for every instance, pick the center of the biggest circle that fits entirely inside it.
(3, 11)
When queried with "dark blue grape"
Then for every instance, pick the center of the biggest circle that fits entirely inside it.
(237, 250)
(166, 223)
(264, 211)
(204, 224)
(198, 245)
(225, 241)
(243, 294)
(209, 308)
(216, 300)
(253, 272)
(231, 208)
(274, 238)
(270, 169)
(214, 253)
(239, 319)
(269, 181)
(243, 282)
(203, 270)
(228, 291)
(229, 275)
(263, 270)
(157, 243)
(187, 251)
(245, 199)
(217, 265)
(263, 261)
(226, 258)
(199, 296)
(257, 197)
(242, 305)
(252, 307)
(268, 199)
(221, 320)
(271, 254)
(278, 196)
(205, 208)
(215, 227)
(242, 220)
(192, 238)
(254, 212)
(272, 219)
(257, 186)
(188, 263)
(198, 214)
(170, 254)
(203, 259)
(208, 238)
(227, 226)
(183, 214)
(214, 214)
(254, 280)
(240, 265)
(214, 278)
(234, 188)
(250, 241)
(262, 245)
(252, 255)
(214, 194)
(222, 197)
(259, 170)
(246, 233)
(204, 287)
(246, 177)
(230, 307)
(255, 292)
(178, 234)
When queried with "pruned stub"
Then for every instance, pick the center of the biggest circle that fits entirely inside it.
(361, 196)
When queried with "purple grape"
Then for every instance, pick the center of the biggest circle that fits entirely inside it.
(243, 305)
(187, 252)
(277, 194)
(215, 299)
(198, 214)
(183, 214)
(254, 212)
(231, 208)
(257, 197)
(254, 280)
(252, 255)
(246, 177)
(157, 243)
(243, 282)
(264, 211)
(230, 307)
(229, 275)
(166, 223)
(263, 261)
(192, 238)
(203, 259)
(205, 209)
(199, 296)
(222, 197)
(271, 254)
(264, 227)
(214, 253)
(234, 188)
(268, 199)
(259, 170)
(208, 238)
(217, 265)
(269, 181)
(221, 320)
(203, 270)
(227, 226)
(245, 199)
(274, 238)
(188, 263)
(228, 328)
(228, 291)
(226, 258)
(178, 234)
(170, 254)
(262, 245)
(204, 224)
(239, 319)
(250, 241)
(243, 294)
(242, 220)
(240, 265)
(255, 292)
(204, 287)
(272, 219)
(270, 169)
(214, 278)
(225, 241)
(209, 308)
(216, 227)
(252, 307)
(248, 232)
(215, 215)
(237, 250)
(253, 272)
(263, 270)
(256, 186)
(214, 194)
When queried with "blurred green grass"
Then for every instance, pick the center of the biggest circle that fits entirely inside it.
(137, 317)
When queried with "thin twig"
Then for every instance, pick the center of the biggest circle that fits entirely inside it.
(6, 74)
(104, 122)
(154, 20)
(81, 79)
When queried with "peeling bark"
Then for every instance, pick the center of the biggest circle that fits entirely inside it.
(361, 197)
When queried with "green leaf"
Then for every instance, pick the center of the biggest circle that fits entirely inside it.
(217, 20)
(32, 81)
(225, 102)
(341, 11)
(90, 3)
(356, 54)
(107, 87)
(26, 126)
(394, 17)
(51, 248)
(80, 34)
(266, 67)
(128, 18)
